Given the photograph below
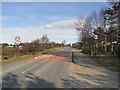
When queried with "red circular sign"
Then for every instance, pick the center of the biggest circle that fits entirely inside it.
(95, 37)
(17, 38)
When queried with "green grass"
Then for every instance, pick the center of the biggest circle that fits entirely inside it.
(110, 62)
(18, 58)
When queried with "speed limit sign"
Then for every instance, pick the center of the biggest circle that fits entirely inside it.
(95, 37)
(17, 38)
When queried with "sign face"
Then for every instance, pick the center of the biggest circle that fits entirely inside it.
(95, 37)
(95, 41)
(17, 38)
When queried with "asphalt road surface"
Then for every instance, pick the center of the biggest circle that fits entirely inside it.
(54, 70)
(44, 71)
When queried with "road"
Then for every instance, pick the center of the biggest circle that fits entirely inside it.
(55, 70)
(44, 71)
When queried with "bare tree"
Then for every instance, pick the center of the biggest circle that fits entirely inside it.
(44, 39)
(102, 19)
(64, 42)
(36, 45)
(94, 18)
(103, 26)
(85, 33)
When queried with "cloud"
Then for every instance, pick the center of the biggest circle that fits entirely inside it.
(61, 25)
(56, 31)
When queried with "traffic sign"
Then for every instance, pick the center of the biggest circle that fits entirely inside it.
(17, 38)
(95, 41)
(95, 37)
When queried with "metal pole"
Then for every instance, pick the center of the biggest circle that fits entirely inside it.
(95, 49)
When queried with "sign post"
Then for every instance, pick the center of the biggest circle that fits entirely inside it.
(17, 42)
(17, 39)
(95, 38)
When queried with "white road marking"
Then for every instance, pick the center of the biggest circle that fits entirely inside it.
(43, 56)
(33, 67)
(36, 57)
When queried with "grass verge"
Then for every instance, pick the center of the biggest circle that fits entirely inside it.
(110, 62)
(18, 58)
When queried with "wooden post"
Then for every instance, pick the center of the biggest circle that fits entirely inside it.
(73, 59)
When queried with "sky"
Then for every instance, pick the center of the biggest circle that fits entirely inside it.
(32, 20)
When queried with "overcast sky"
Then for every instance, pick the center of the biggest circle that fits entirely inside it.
(31, 20)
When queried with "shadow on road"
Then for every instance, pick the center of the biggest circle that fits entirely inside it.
(108, 62)
(28, 81)
(9, 80)
(87, 73)
(36, 82)
(75, 83)
(88, 81)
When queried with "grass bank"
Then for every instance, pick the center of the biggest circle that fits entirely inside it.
(18, 58)
(110, 62)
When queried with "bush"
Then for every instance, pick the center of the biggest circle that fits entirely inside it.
(25, 49)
